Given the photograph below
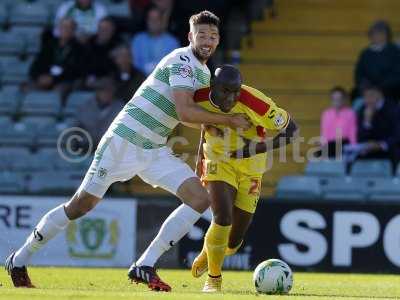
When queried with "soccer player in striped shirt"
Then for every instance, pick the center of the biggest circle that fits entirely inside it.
(234, 183)
(135, 144)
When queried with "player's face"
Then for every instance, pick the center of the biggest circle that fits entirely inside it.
(226, 95)
(204, 39)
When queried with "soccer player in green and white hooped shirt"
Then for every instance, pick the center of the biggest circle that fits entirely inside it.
(135, 144)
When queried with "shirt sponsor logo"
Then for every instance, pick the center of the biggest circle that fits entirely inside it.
(102, 173)
(279, 120)
(185, 71)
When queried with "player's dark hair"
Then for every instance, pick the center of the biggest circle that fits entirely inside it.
(227, 73)
(204, 17)
(339, 89)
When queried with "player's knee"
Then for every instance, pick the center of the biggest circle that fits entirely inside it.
(194, 195)
(223, 219)
(201, 201)
(80, 204)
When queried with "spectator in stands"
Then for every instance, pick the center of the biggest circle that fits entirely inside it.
(165, 7)
(379, 64)
(127, 78)
(96, 115)
(338, 122)
(60, 61)
(379, 126)
(149, 47)
(86, 13)
(99, 51)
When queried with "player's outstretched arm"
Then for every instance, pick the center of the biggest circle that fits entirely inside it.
(189, 112)
(284, 138)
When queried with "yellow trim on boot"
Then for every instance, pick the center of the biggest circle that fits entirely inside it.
(200, 264)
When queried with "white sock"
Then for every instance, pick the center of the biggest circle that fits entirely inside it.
(178, 223)
(52, 223)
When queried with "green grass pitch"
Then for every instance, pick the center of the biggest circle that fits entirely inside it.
(99, 284)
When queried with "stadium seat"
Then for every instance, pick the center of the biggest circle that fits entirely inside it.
(371, 168)
(46, 158)
(41, 103)
(75, 164)
(20, 159)
(9, 155)
(3, 14)
(326, 168)
(398, 171)
(298, 188)
(74, 100)
(52, 4)
(49, 134)
(119, 9)
(11, 183)
(29, 13)
(347, 188)
(11, 44)
(17, 134)
(71, 122)
(15, 71)
(9, 100)
(42, 126)
(385, 189)
(5, 121)
(38, 122)
(31, 37)
(50, 182)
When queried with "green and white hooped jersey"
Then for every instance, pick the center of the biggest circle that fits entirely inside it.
(150, 116)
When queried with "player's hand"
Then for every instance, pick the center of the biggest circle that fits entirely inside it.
(250, 148)
(244, 152)
(239, 121)
(214, 131)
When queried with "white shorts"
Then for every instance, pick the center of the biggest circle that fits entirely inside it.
(116, 159)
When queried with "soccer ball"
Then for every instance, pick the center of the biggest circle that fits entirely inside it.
(273, 276)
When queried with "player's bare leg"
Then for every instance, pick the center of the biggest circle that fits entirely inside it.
(195, 201)
(240, 224)
(49, 226)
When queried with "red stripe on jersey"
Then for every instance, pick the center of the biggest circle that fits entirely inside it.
(253, 102)
(261, 131)
(201, 95)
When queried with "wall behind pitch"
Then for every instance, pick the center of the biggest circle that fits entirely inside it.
(104, 237)
(321, 236)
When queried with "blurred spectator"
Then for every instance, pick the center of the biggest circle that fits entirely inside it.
(165, 7)
(150, 47)
(60, 60)
(99, 51)
(379, 126)
(86, 13)
(338, 123)
(379, 64)
(127, 78)
(97, 113)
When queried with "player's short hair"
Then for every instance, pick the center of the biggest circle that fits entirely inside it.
(204, 17)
